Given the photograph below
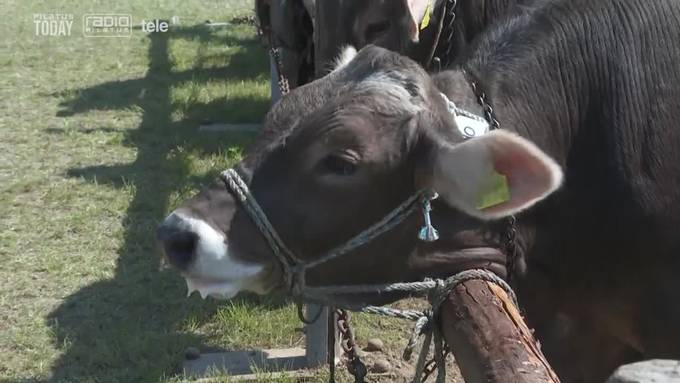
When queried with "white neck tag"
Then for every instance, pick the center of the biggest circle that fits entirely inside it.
(469, 124)
(471, 127)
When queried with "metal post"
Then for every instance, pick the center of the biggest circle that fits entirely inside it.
(274, 81)
(317, 337)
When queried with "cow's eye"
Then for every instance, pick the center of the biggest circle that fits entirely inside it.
(375, 30)
(340, 164)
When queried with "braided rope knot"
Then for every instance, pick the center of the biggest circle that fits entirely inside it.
(423, 326)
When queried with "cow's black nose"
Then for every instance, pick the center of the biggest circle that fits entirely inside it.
(179, 246)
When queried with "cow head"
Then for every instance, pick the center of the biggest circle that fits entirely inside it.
(337, 155)
(395, 25)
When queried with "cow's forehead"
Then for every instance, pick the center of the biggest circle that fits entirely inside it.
(383, 81)
(371, 70)
(373, 103)
(371, 60)
(375, 80)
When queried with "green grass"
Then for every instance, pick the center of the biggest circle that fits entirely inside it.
(98, 141)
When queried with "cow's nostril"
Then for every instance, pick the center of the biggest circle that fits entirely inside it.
(180, 248)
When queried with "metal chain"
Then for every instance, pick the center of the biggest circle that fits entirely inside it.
(244, 20)
(431, 365)
(443, 50)
(511, 234)
(274, 51)
(511, 247)
(354, 364)
(485, 104)
(284, 86)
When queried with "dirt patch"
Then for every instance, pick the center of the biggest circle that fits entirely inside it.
(402, 371)
(393, 336)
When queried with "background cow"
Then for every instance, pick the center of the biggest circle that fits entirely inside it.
(589, 87)
(411, 27)
(288, 26)
(311, 34)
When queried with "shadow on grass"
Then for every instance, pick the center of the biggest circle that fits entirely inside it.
(128, 328)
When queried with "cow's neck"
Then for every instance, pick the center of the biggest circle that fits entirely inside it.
(537, 87)
(531, 96)
(542, 114)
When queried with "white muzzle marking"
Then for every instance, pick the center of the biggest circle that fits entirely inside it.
(214, 272)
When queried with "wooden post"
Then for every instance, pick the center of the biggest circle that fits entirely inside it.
(489, 338)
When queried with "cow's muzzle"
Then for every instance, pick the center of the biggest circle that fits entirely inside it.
(202, 255)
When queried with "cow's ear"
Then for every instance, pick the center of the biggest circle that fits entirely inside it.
(419, 11)
(494, 175)
(347, 54)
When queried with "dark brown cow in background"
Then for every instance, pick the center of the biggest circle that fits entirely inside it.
(411, 27)
(310, 34)
(288, 26)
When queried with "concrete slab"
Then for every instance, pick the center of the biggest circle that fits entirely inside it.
(246, 363)
(651, 371)
(218, 127)
(298, 376)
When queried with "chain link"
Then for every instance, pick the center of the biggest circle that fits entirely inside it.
(511, 247)
(485, 104)
(244, 20)
(431, 365)
(511, 234)
(275, 52)
(354, 364)
(442, 54)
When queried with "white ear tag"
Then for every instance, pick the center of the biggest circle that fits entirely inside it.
(471, 127)
(469, 124)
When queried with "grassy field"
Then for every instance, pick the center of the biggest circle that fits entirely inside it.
(98, 141)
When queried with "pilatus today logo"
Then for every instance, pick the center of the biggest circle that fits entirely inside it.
(53, 24)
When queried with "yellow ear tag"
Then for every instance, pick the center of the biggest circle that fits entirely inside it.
(495, 192)
(426, 19)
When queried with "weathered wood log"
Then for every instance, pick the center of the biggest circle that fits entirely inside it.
(489, 338)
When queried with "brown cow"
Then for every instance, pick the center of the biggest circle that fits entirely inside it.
(412, 27)
(594, 84)
(288, 26)
(310, 34)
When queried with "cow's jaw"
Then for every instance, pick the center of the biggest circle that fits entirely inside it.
(214, 271)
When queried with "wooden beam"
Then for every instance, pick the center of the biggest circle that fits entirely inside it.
(489, 338)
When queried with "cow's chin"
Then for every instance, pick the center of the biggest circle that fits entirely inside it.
(217, 274)
(218, 289)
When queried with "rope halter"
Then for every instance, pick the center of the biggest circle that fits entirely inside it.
(292, 266)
